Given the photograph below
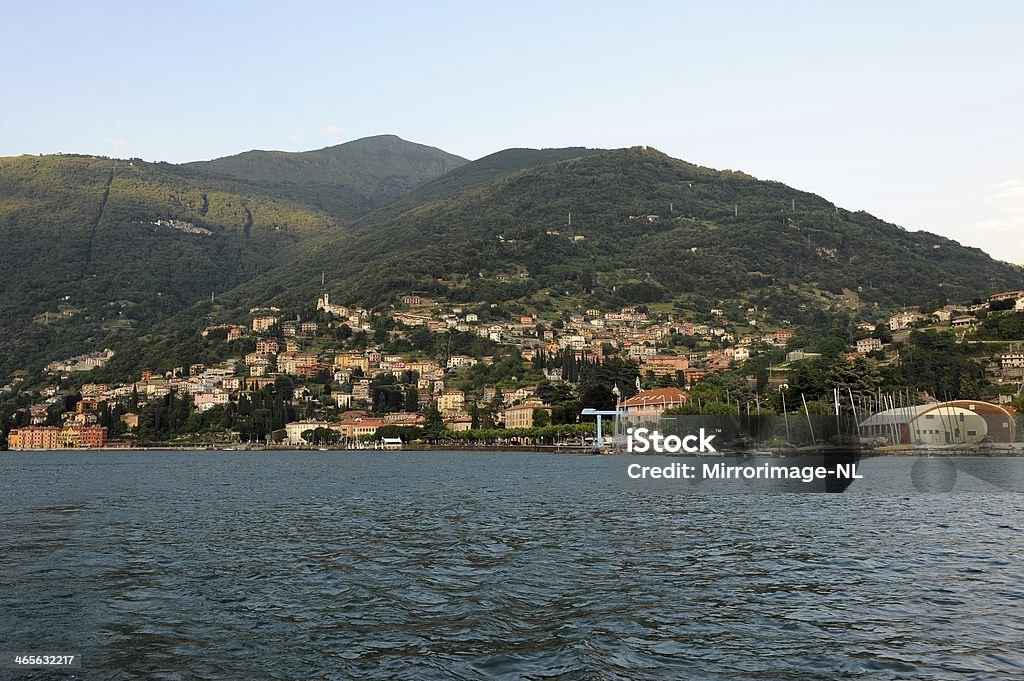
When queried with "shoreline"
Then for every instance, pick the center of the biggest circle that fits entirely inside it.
(553, 449)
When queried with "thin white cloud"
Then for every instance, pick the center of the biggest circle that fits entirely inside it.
(1003, 231)
(332, 131)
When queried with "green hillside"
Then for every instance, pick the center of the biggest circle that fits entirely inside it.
(488, 169)
(88, 266)
(654, 230)
(84, 259)
(347, 180)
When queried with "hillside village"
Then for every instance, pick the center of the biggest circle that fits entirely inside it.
(513, 291)
(343, 375)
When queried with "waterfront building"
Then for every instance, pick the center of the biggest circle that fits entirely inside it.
(942, 423)
(521, 415)
(649, 405)
(56, 437)
(358, 425)
(295, 429)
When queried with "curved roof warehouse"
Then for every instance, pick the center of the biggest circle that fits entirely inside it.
(943, 423)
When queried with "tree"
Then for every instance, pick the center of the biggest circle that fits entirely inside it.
(498, 402)
(434, 427)
(486, 417)
(555, 393)
(597, 396)
(285, 386)
(1007, 326)
(859, 377)
(807, 380)
(936, 363)
(599, 379)
(587, 281)
(385, 394)
(321, 435)
(722, 387)
(761, 380)
(412, 399)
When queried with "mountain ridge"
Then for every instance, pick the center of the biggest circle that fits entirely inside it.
(646, 229)
(371, 170)
(632, 209)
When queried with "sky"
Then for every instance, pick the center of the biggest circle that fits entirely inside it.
(911, 111)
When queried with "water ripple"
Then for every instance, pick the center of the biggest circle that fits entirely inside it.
(507, 566)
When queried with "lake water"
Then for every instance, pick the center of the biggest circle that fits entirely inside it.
(354, 565)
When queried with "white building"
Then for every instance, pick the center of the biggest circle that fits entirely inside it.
(459, 361)
(866, 345)
(324, 303)
(1012, 360)
(903, 320)
(206, 401)
(295, 429)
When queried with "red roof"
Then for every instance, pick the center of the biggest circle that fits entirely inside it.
(658, 397)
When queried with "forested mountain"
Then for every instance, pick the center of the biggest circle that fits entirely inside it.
(99, 251)
(347, 180)
(645, 228)
(488, 169)
(97, 246)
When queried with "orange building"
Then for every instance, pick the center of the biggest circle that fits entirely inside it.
(55, 437)
(34, 437)
(351, 360)
(665, 365)
(312, 370)
(358, 426)
(693, 375)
